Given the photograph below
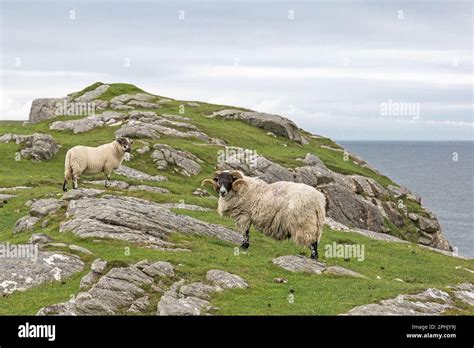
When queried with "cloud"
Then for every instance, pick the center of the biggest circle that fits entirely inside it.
(270, 72)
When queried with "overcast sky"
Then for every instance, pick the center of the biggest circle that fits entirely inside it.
(337, 68)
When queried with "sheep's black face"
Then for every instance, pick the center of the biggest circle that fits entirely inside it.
(224, 182)
(126, 144)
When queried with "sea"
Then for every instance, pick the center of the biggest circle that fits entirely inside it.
(441, 172)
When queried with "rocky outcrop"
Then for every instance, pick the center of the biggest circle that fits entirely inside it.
(429, 302)
(113, 293)
(88, 123)
(43, 109)
(295, 263)
(132, 173)
(38, 146)
(136, 220)
(29, 267)
(165, 156)
(92, 95)
(272, 123)
(122, 185)
(38, 210)
(151, 128)
(193, 299)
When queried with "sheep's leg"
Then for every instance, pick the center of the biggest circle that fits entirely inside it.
(107, 179)
(246, 242)
(74, 181)
(65, 185)
(314, 250)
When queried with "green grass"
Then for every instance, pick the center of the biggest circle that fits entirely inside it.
(313, 294)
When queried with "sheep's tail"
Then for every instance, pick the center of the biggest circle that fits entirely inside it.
(311, 230)
(67, 170)
(67, 167)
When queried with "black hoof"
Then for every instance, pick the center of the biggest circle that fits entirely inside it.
(245, 245)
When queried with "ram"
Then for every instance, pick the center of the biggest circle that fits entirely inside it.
(93, 160)
(280, 210)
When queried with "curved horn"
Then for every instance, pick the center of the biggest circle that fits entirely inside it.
(237, 183)
(210, 182)
(236, 174)
(217, 172)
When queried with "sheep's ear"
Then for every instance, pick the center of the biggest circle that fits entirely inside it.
(236, 174)
(210, 182)
(238, 183)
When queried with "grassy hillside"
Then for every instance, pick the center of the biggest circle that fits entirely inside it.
(314, 294)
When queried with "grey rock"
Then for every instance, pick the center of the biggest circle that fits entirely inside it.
(193, 104)
(465, 293)
(349, 209)
(81, 193)
(298, 263)
(253, 165)
(176, 117)
(367, 186)
(135, 220)
(116, 291)
(122, 107)
(77, 126)
(428, 225)
(171, 304)
(184, 206)
(80, 249)
(91, 95)
(143, 150)
(152, 128)
(199, 290)
(121, 185)
(148, 189)
(88, 123)
(272, 123)
(226, 280)
(143, 104)
(99, 266)
(165, 155)
(43, 207)
(21, 273)
(3, 189)
(140, 305)
(159, 268)
(39, 238)
(26, 223)
(200, 192)
(138, 175)
(39, 147)
(429, 302)
(43, 109)
(89, 279)
(393, 214)
(125, 98)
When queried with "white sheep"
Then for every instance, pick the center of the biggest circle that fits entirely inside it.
(93, 160)
(280, 210)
